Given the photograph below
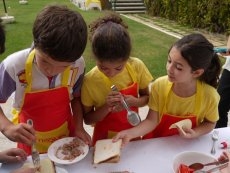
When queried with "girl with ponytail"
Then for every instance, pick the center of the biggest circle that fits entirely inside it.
(188, 93)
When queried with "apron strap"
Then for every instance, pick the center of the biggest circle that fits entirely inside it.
(65, 77)
(28, 71)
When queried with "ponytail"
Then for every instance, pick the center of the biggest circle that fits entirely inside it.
(212, 73)
(199, 53)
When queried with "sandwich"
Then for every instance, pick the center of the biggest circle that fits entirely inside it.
(47, 166)
(106, 151)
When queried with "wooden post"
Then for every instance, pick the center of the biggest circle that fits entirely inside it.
(4, 6)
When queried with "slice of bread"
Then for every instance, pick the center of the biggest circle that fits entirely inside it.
(107, 151)
(47, 166)
(187, 123)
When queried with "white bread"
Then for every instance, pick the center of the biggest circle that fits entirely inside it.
(187, 123)
(107, 151)
(47, 166)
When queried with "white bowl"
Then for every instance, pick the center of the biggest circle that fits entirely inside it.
(189, 157)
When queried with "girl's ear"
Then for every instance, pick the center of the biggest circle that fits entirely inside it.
(198, 73)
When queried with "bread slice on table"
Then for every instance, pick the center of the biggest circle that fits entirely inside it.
(106, 151)
(47, 166)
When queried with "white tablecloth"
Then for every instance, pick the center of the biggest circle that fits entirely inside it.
(146, 156)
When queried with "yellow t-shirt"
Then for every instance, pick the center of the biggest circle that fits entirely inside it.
(183, 106)
(95, 89)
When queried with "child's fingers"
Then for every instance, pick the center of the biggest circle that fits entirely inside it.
(116, 138)
(125, 139)
(25, 133)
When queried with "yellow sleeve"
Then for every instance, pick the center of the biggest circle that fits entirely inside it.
(210, 103)
(144, 77)
(157, 94)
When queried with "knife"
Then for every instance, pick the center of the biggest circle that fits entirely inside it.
(34, 153)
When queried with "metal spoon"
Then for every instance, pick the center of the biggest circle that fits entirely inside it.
(198, 166)
(34, 153)
(219, 167)
(214, 139)
(133, 118)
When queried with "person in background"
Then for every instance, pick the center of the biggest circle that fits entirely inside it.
(13, 154)
(187, 92)
(111, 47)
(224, 91)
(46, 81)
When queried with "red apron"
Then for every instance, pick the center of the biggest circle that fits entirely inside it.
(167, 120)
(49, 109)
(117, 121)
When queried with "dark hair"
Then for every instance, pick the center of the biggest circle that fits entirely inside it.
(199, 53)
(60, 33)
(110, 38)
(2, 38)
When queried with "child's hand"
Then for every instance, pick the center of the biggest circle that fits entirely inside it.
(113, 101)
(125, 135)
(82, 134)
(223, 156)
(187, 132)
(130, 100)
(13, 155)
(22, 132)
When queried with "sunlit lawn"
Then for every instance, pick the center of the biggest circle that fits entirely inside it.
(148, 44)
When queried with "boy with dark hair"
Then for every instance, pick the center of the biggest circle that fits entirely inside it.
(46, 81)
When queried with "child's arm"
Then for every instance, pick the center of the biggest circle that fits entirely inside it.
(112, 104)
(204, 128)
(78, 119)
(223, 156)
(92, 116)
(21, 132)
(143, 128)
(140, 101)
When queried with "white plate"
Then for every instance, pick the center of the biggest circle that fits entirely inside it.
(54, 146)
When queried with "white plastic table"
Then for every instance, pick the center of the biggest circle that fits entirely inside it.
(145, 156)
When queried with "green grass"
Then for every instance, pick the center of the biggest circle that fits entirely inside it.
(148, 44)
